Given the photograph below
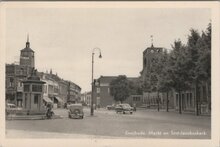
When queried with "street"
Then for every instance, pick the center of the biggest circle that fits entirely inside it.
(107, 124)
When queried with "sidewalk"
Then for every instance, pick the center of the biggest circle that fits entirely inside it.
(31, 117)
(37, 134)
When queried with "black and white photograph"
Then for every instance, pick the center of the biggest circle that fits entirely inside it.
(91, 70)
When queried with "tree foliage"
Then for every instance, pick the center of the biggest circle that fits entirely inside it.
(184, 67)
(120, 88)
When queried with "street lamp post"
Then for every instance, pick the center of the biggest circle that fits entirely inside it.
(100, 56)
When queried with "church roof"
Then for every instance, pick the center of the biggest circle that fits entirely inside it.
(152, 47)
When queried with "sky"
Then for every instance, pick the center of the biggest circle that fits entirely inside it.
(64, 39)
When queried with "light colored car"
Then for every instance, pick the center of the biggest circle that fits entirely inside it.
(12, 108)
(124, 108)
(110, 107)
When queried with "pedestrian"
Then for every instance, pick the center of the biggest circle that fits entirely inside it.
(134, 107)
(158, 105)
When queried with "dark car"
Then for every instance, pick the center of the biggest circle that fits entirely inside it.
(75, 111)
(124, 108)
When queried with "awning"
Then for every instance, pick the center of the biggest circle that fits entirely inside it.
(48, 100)
(59, 99)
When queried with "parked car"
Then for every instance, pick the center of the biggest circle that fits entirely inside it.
(75, 111)
(12, 108)
(69, 104)
(124, 108)
(110, 107)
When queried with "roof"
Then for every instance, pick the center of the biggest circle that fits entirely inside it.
(108, 79)
(27, 49)
(152, 47)
(133, 79)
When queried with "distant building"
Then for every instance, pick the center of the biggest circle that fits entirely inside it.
(74, 92)
(59, 91)
(55, 89)
(102, 96)
(27, 56)
(135, 100)
(51, 90)
(86, 98)
(149, 55)
(16, 73)
(188, 97)
(63, 90)
(152, 98)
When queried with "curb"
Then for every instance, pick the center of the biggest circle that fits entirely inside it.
(31, 117)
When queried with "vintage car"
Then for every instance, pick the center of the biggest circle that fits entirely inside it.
(75, 111)
(124, 108)
(12, 109)
(110, 107)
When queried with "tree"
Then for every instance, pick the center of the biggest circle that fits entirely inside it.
(119, 88)
(199, 55)
(205, 61)
(164, 79)
(151, 78)
(135, 87)
(178, 70)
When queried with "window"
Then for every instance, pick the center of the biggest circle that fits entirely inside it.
(21, 72)
(136, 98)
(19, 84)
(11, 81)
(36, 99)
(56, 90)
(45, 88)
(25, 101)
(37, 88)
(50, 89)
(98, 90)
(26, 88)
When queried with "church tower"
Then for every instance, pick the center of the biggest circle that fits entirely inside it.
(27, 55)
(149, 55)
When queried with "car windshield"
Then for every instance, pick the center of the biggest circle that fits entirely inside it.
(126, 106)
(75, 106)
